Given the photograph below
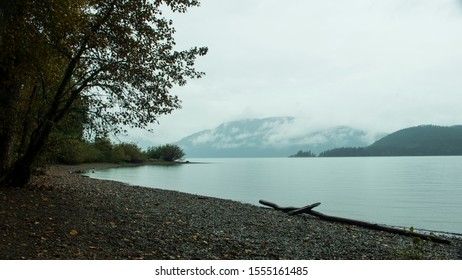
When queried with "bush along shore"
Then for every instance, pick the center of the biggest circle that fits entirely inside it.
(60, 215)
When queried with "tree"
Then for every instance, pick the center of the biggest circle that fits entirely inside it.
(132, 152)
(167, 152)
(111, 61)
(303, 154)
(9, 90)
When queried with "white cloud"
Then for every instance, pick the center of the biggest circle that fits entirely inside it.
(204, 138)
(377, 65)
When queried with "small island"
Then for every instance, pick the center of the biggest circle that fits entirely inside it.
(303, 154)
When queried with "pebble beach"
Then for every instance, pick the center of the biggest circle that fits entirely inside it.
(65, 215)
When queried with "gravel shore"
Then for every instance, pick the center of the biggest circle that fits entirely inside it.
(69, 216)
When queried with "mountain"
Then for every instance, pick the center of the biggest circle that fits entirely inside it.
(424, 140)
(269, 137)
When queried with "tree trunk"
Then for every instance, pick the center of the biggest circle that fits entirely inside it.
(19, 174)
(6, 9)
(10, 89)
(7, 140)
(6, 151)
(9, 96)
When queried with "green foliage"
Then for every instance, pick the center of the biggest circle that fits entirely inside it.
(153, 153)
(131, 153)
(416, 250)
(109, 63)
(167, 152)
(71, 49)
(73, 151)
(118, 154)
(345, 152)
(303, 154)
(104, 148)
(76, 152)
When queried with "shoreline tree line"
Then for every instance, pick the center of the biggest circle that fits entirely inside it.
(103, 150)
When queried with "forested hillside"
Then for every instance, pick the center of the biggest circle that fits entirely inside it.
(425, 140)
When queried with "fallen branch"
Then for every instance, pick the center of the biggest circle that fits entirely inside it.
(308, 210)
(290, 210)
(277, 207)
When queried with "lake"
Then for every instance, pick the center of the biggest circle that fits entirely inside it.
(423, 192)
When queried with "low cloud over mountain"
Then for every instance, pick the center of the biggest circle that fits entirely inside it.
(270, 137)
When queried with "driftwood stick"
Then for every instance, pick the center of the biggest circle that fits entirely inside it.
(277, 207)
(305, 209)
(321, 216)
(290, 210)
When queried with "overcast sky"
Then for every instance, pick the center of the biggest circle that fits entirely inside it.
(378, 65)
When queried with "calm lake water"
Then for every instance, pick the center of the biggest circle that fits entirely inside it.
(423, 192)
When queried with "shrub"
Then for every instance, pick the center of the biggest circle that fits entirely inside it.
(75, 151)
(167, 152)
(118, 154)
(131, 153)
(416, 250)
(105, 148)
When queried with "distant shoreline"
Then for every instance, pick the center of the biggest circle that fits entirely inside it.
(86, 167)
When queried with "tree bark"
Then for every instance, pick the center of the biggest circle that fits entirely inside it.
(10, 90)
(9, 96)
(19, 174)
(307, 210)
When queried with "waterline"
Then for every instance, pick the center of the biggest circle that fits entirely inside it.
(423, 192)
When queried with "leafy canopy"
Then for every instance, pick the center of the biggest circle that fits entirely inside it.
(110, 64)
(116, 56)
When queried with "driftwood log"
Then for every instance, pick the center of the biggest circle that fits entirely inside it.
(308, 210)
(290, 210)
